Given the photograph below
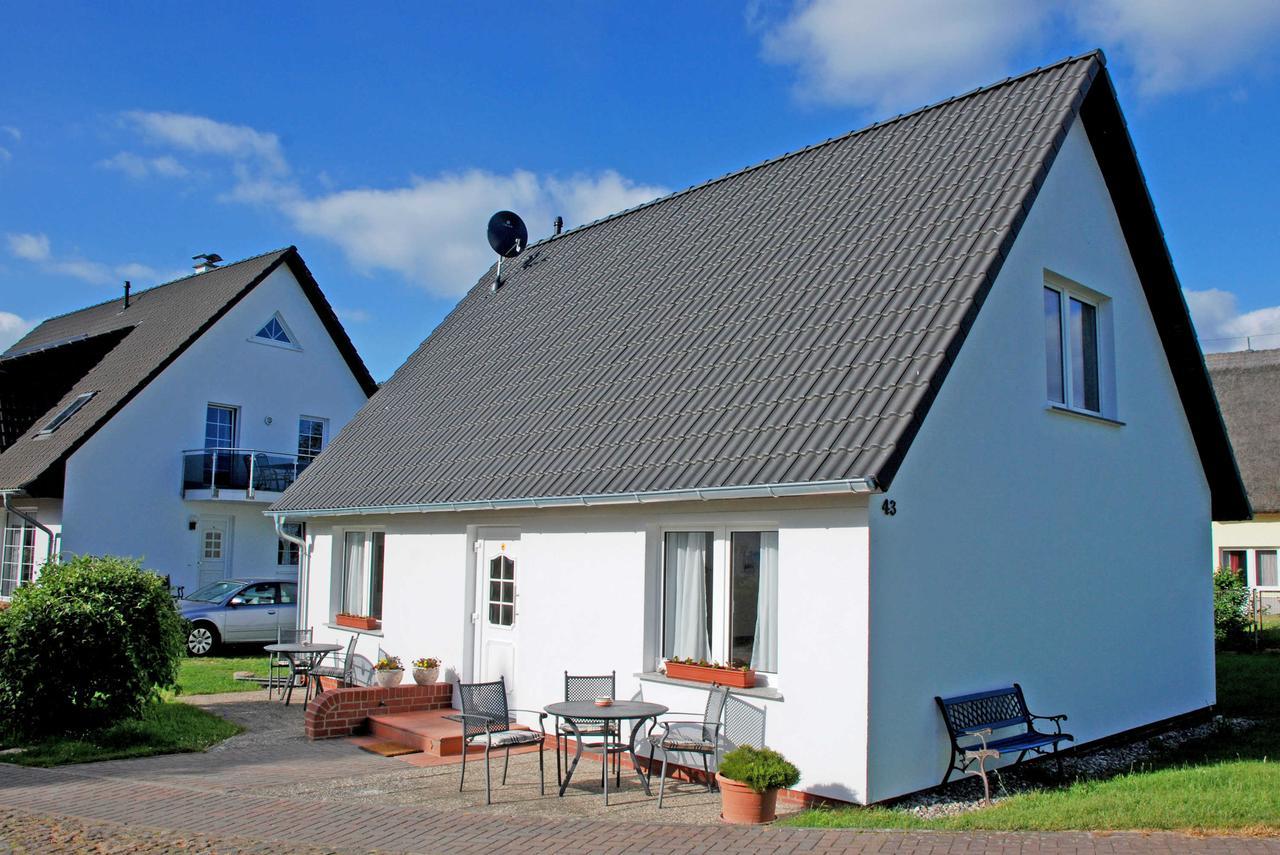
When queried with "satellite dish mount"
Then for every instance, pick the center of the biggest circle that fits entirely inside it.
(508, 236)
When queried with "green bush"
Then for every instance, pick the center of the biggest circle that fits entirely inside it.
(759, 768)
(86, 646)
(1230, 600)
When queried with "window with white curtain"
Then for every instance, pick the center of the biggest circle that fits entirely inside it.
(18, 553)
(360, 589)
(720, 597)
(1259, 570)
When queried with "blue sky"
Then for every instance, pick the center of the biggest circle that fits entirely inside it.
(379, 139)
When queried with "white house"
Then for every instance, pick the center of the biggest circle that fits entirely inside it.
(915, 411)
(161, 425)
(1248, 387)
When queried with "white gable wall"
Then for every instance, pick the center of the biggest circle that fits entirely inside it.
(123, 490)
(1061, 552)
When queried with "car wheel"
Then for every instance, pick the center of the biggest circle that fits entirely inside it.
(202, 639)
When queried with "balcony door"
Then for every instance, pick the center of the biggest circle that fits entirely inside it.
(220, 425)
(213, 548)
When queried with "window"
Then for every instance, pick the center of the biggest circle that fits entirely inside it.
(262, 594)
(220, 427)
(1266, 567)
(18, 554)
(274, 331)
(288, 593)
(361, 589)
(502, 591)
(1073, 375)
(727, 614)
(67, 412)
(287, 554)
(310, 438)
(212, 548)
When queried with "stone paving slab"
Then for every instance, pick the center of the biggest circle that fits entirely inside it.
(369, 826)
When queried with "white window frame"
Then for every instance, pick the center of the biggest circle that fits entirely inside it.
(1069, 290)
(235, 426)
(1251, 564)
(292, 344)
(339, 568)
(286, 548)
(324, 435)
(25, 567)
(721, 580)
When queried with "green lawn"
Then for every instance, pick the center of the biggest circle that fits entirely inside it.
(213, 674)
(1214, 784)
(166, 727)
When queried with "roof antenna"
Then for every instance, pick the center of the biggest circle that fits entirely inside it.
(206, 261)
(508, 237)
(127, 286)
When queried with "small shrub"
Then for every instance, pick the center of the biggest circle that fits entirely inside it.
(86, 646)
(759, 768)
(1230, 600)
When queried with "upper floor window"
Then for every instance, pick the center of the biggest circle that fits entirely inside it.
(220, 426)
(1076, 372)
(276, 331)
(311, 432)
(67, 412)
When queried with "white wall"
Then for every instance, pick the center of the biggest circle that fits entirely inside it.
(1029, 545)
(587, 603)
(124, 486)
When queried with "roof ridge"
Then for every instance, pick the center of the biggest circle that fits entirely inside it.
(137, 294)
(1096, 53)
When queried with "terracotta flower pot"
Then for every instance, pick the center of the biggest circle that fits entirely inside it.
(742, 805)
(357, 621)
(387, 679)
(425, 676)
(734, 677)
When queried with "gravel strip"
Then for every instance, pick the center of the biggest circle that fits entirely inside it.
(963, 796)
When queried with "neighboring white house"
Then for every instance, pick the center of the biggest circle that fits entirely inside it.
(1248, 387)
(915, 411)
(163, 424)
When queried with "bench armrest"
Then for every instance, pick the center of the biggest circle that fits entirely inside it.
(1056, 719)
(981, 732)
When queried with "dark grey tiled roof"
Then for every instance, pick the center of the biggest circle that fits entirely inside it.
(783, 325)
(1248, 388)
(161, 322)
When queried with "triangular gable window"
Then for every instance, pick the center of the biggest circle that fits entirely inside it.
(273, 330)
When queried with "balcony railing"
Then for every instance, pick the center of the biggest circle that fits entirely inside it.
(246, 469)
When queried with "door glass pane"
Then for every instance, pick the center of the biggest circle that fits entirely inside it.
(686, 585)
(310, 438)
(502, 591)
(1267, 571)
(220, 427)
(1084, 356)
(377, 539)
(1053, 344)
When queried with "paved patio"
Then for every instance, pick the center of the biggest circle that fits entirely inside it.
(269, 789)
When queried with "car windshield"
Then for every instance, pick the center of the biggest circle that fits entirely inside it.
(214, 593)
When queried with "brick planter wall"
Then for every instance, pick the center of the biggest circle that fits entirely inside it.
(341, 712)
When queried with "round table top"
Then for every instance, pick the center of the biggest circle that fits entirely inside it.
(302, 647)
(616, 710)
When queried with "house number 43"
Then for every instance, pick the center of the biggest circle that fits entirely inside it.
(889, 506)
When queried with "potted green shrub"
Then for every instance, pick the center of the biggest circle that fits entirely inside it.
(749, 780)
(425, 670)
(388, 671)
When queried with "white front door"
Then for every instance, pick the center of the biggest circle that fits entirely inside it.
(213, 549)
(498, 611)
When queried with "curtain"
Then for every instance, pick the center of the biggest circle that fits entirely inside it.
(353, 581)
(687, 595)
(764, 653)
(1267, 575)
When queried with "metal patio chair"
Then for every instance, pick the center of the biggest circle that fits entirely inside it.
(342, 665)
(690, 737)
(486, 720)
(280, 662)
(587, 687)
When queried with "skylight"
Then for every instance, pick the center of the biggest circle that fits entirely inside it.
(273, 330)
(67, 412)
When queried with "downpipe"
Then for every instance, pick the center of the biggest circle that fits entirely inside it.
(304, 568)
(48, 556)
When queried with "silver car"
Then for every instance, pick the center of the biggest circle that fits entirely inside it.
(236, 611)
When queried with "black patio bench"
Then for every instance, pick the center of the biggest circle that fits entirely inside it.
(972, 719)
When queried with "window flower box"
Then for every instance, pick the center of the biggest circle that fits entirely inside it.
(357, 621)
(737, 678)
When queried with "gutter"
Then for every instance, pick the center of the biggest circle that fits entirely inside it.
(704, 494)
(48, 557)
(304, 568)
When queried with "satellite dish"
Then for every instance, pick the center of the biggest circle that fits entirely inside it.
(507, 234)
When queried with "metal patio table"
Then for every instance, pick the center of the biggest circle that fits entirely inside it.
(308, 653)
(586, 711)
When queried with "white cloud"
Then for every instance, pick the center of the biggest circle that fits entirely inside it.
(138, 166)
(893, 56)
(29, 247)
(202, 135)
(432, 231)
(5, 154)
(12, 328)
(354, 316)
(1221, 326)
(1182, 44)
(14, 133)
(36, 249)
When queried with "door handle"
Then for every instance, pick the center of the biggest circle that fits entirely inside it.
(271, 611)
